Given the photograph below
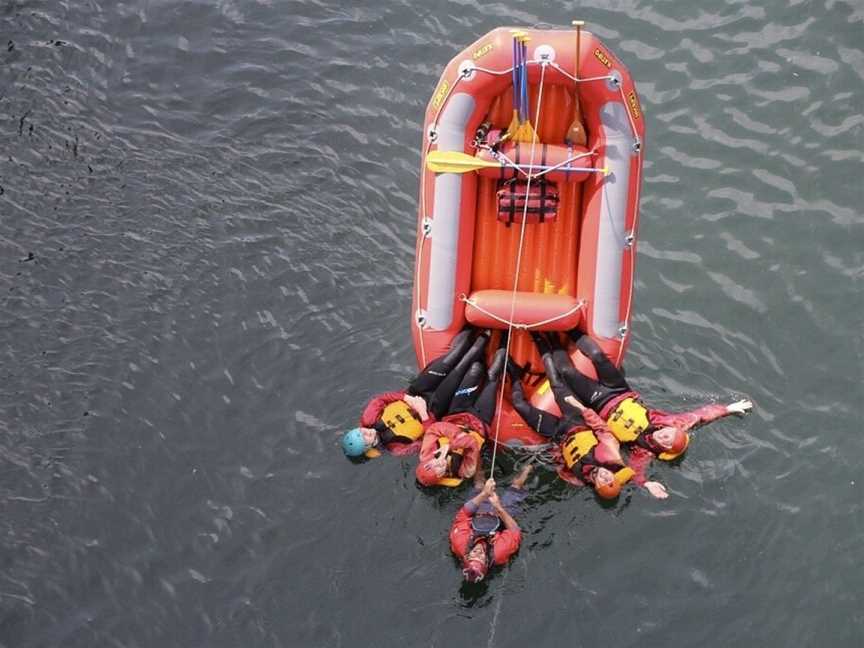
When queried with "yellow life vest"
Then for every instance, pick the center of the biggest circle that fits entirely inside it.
(577, 446)
(402, 420)
(624, 475)
(454, 481)
(628, 420)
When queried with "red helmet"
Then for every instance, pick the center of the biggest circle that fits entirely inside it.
(474, 571)
(426, 475)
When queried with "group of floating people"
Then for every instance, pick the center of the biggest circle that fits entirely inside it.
(605, 437)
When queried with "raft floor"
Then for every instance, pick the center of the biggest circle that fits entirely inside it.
(549, 250)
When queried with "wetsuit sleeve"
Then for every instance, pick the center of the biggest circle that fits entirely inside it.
(595, 422)
(505, 545)
(569, 477)
(639, 460)
(428, 422)
(541, 421)
(375, 407)
(430, 441)
(464, 442)
(470, 456)
(460, 533)
(688, 420)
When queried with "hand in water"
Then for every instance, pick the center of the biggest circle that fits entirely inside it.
(657, 489)
(739, 407)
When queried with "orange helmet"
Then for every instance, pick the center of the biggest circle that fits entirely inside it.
(608, 491)
(679, 445)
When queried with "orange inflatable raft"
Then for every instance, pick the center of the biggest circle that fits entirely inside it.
(529, 196)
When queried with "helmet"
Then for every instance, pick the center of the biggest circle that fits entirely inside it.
(608, 491)
(474, 571)
(427, 475)
(353, 443)
(679, 445)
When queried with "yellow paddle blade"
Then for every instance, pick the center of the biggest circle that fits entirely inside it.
(456, 162)
(525, 133)
(514, 125)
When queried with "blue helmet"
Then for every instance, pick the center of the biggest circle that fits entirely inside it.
(353, 443)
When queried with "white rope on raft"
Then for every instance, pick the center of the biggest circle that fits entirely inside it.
(582, 79)
(534, 140)
(501, 157)
(519, 325)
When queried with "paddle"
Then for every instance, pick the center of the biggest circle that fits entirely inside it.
(525, 131)
(517, 85)
(523, 86)
(576, 133)
(456, 162)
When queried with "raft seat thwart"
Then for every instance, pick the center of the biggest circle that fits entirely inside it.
(537, 311)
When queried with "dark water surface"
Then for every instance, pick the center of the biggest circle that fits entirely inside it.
(206, 243)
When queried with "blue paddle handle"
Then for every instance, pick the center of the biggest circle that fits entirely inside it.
(523, 58)
(516, 88)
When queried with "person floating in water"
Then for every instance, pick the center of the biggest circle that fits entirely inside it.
(451, 447)
(586, 451)
(650, 432)
(395, 421)
(484, 532)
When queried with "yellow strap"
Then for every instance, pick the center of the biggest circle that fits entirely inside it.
(402, 420)
(624, 475)
(371, 453)
(577, 446)
(628, 420)
(451, 482)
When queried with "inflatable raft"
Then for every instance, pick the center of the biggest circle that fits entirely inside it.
(529, 196)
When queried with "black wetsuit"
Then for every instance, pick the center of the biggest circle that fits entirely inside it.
(593, 393)
(543, 422)
(473, 396)
(442, 378)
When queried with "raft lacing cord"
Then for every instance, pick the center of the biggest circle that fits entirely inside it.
(534, 139)
(518, 325)
(581, 79)
(501, 157)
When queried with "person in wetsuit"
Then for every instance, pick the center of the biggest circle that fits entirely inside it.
(451, 447)
(650, 432)
(396, 421)
(586, 451)
(484, 532)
